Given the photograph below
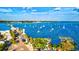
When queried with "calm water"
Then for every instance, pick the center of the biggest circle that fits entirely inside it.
(47, 29)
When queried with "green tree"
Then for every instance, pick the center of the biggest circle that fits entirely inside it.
(40, 43)
(1, 46)
(12, 34)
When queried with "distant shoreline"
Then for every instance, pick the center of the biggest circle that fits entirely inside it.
(37, 21)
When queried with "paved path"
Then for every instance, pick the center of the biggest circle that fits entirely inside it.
(21, 46)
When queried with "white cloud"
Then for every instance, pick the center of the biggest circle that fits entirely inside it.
(5, 10)
(39, 12)
(23, 11)
(77, 7)
(29, 7)
(23, 7)
(34, 10)
(57, 9)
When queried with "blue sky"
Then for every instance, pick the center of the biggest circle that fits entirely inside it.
(39, 13)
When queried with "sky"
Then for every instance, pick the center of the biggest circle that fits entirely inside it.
(39, 13)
